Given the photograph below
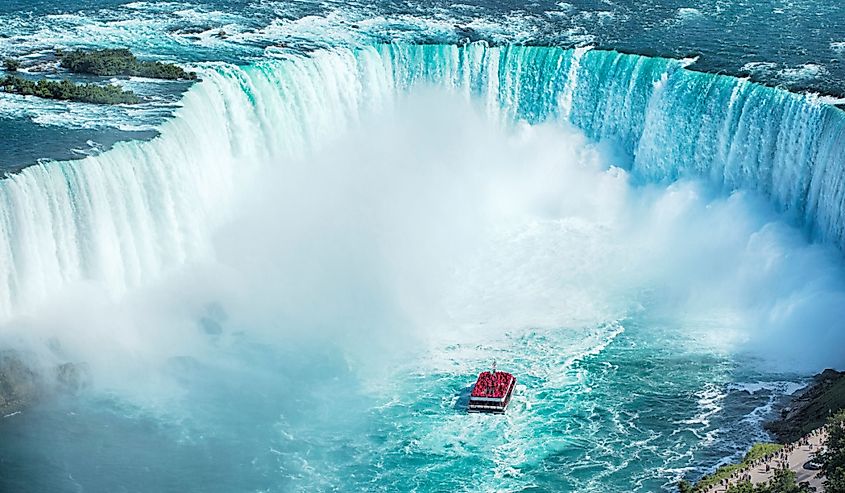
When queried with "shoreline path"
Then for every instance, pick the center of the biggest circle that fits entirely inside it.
(793, 456)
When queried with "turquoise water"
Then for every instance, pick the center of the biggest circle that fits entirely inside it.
(794, 45)
(633, 417)
(293, 286)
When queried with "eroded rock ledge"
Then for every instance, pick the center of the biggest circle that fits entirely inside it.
(810, 408)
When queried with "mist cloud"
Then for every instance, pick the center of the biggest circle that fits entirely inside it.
(432, 223)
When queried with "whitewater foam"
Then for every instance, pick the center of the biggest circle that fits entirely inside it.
(124, 217)
(380, 223)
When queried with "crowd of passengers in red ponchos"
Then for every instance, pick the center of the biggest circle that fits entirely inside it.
(492, 384)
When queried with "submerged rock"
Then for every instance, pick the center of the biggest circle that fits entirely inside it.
(210, 326)
(71, 377)
(192, 30)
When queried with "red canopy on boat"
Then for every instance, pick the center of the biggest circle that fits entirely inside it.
(492, 384)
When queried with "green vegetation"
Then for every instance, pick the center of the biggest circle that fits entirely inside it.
(823, 403)
(11, 65)
(758, 451)
(112, 62)
(67, 90)
(782, 482)
(833, 459)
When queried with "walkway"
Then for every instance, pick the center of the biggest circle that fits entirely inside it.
(795, 455)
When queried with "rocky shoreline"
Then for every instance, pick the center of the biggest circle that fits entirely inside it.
(21, 385)
(809, 408)
(801, 415)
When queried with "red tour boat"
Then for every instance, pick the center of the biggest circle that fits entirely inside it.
(492, 392)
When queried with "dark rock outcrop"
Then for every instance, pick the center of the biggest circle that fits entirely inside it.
(809, 409)
(21, 384)
(71, 377)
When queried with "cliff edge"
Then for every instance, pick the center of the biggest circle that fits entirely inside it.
(810, 408)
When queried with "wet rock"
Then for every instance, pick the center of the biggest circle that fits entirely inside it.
(809, 409)
(19, 385)
(71, 377)
(191, 30)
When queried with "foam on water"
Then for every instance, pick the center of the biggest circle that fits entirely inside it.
(210, 30)
(365, 229)
(160, 185)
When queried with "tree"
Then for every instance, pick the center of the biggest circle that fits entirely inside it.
(111, 62)
(684, 486)
(743, 487)
(833, 459)
(784, 482)
(11, 65)
(67, 90)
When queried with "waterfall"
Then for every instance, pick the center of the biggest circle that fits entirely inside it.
(128, 215)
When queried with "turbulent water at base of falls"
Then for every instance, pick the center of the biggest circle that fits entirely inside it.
(291, 288)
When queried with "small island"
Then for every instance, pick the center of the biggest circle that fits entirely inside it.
(120, 62)
(103, 63)
(68, 91)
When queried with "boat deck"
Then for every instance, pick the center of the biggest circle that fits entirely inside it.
(492, 392)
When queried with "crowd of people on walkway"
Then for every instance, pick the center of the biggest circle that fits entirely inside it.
(765, 466)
